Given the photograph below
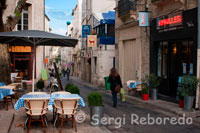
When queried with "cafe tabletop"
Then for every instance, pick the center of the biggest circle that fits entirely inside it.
(134, 84)
(8, 87)
(5, 92)
(66, 96)
(52, 97)
(20, 101)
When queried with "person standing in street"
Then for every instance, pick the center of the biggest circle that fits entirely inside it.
(114, 80)
(68, 73)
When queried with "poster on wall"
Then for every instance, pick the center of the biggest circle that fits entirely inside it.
(143, 19)
(92, 40)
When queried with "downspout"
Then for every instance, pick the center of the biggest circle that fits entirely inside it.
(44, 30)
(198, 56)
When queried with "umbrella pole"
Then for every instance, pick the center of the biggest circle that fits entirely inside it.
(33, 81)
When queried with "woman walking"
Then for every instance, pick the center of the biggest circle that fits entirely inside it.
(115, 80)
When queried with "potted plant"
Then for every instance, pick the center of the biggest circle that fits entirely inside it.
(72, 89)
(40, 85)
(189, 84)
(181, 95)
(95, 102)
(154, 82)
(145, 94)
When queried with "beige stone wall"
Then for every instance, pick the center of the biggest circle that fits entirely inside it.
(127, 29)
(104, 64)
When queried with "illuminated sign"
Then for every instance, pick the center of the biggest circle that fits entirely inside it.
(143, 19)
(171, 20)
(20, 49)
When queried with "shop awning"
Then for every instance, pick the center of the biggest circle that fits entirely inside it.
(29, 37)
(104, 18)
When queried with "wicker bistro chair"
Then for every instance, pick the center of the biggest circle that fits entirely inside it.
(36, 107)
(66, 107)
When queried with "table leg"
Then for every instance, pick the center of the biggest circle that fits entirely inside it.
(26, 122)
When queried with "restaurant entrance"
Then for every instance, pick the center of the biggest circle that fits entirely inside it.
(22, 61)
(174, 59)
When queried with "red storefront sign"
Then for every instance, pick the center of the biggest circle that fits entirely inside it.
(171, 20)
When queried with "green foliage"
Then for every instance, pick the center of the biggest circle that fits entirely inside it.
(145, 90)
(72, 89)
(95, 99)
(189, 84)
(40, 84)
(153, 81)
(181, 93)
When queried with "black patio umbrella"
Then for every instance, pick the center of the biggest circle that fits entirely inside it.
(36, 38)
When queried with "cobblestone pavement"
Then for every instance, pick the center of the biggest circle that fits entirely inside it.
(127, 109)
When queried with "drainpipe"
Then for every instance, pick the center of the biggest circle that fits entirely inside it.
(44, 30)
(198, 56)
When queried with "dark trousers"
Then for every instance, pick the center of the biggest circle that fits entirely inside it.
(67, 76)
(114, 96)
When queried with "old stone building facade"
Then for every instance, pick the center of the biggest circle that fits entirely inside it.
(132, 41)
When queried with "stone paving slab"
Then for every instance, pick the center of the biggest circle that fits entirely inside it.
(6, 118)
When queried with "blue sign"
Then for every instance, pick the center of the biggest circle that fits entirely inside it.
(143, 19)
(85, 30)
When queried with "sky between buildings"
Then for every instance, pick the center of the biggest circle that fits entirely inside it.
(59, 12)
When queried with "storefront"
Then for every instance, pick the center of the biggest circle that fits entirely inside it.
(173, 48)
(22, 60)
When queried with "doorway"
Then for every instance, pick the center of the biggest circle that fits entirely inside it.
(174, 59)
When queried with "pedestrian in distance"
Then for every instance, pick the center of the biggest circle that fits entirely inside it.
(68, 73)
(63, 72)
(114, 80)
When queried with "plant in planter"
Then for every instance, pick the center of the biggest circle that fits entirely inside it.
(154, 82)
(40, 85)
(181, 95)
(95, 102)
(189, 84)
(72, 89)
(145, 94)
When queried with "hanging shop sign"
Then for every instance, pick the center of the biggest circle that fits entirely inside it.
(172, 20)
(24, 49)
(92, 40)
(143, 19)
(86, 31)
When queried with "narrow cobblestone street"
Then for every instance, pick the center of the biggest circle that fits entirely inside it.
(125, 109)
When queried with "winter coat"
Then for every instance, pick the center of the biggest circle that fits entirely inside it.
(114, 82)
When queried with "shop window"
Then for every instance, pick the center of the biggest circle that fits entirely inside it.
(111, 31)
(23, 23)
(162, 59)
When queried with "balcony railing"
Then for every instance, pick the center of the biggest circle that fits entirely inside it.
(125, 7)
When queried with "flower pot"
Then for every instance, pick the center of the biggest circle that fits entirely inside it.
(188, 103)
(96, 114)
(154, 94)
(181, 103)
(145, 97)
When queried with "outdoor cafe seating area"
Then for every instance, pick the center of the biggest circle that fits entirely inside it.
(63, 105)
